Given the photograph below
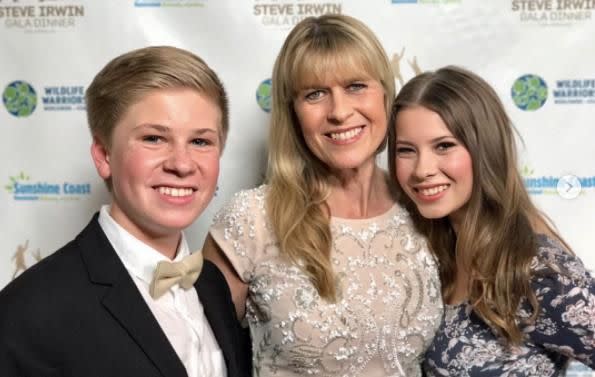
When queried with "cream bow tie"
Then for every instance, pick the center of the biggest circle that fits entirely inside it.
(184, 272)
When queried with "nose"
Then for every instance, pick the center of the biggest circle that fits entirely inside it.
(425, 166)
(180, 161)
(341, 108)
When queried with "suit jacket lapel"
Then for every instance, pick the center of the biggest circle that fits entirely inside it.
(215, 297)
(123, 300)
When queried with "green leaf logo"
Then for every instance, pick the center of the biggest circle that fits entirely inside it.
(14, 179)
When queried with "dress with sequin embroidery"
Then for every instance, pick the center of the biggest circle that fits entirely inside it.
(388, 309)
(565, 328)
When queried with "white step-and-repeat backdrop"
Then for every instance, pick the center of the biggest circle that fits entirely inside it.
(538, 54)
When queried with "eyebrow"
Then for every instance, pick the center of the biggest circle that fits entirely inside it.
(156, 127)
(344, 81)
(434, 140)
(165, 129)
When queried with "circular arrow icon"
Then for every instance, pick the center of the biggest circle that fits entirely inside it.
(569, 187)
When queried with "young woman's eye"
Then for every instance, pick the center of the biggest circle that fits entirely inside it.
(314, 95)
(404, 150)
(444, 146)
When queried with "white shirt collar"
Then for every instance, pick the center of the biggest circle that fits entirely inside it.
(138, 257)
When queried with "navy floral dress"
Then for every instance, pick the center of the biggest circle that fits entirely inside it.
(565, 328)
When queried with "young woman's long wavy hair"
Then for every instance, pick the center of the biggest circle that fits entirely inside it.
(496, 241)
(317, 49)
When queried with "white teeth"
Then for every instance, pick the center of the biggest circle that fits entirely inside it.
(176, 192)
(434, 190)
(347, 134)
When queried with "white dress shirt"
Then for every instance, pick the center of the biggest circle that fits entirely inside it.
(179, 312)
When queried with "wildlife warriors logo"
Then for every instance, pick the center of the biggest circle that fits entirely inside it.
(529, 92)
(263, 95)
(21, 256)
(20, 99)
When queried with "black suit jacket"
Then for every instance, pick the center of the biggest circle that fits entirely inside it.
(78, 313)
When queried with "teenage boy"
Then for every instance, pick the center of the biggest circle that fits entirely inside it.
(122, 298)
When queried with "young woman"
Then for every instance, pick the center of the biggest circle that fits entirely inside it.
(323, 263)
(519, 303)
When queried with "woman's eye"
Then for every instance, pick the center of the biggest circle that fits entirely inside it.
(356, 86)
(314, 95)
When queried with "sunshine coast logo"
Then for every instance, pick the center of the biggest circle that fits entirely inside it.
(22, 188)
(287, 13)
(529, 92)
(19, 98)
(170, 3)
(568, 186)
(553, 12)
(63, 98)
(40, 15)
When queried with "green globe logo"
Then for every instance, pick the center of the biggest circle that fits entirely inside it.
(19, 98)
(263, 95)
(529, 92)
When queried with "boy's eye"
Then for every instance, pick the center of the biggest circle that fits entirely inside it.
(152, 138)
(201, 142)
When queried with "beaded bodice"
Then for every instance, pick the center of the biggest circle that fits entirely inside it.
(389, 304)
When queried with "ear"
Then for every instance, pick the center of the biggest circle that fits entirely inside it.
(101, 158)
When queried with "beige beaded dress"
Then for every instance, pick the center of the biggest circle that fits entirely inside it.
(388, 309)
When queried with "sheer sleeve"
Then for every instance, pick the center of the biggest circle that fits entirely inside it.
(241, 230)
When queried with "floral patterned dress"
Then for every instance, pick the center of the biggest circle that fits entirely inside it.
(565, 328)
(387, 313)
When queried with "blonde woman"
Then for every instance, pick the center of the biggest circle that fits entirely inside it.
(519, 302)
(321, 261)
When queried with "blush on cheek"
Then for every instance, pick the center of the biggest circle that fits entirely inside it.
(402, 174)
(459, 164)
(213, 162)
(210, 166)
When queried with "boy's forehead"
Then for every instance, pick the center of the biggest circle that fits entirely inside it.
(148, 97)
(139, 97)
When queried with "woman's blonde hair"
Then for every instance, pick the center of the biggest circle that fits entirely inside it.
(317, 49)
(496, 241)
